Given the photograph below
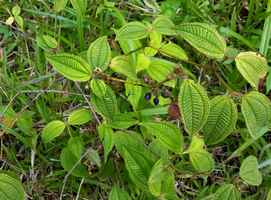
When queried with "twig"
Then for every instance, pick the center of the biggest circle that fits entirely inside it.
(79, 189)
(89, 104)
(71, 170)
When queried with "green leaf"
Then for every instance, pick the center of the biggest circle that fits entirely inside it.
(52, 130)
(221, 120)
(133, 31)
(134, 93)
(201, 160)
(255, 108)
(173, 50)
(164, 26)
(204, 38)
(121, 64)
(11, 188)
(252, 66)
(80, 7)
(70, 162)
(154, 43)
(98, 87)
(79, 117)
(106, 135)
(123, 120)
(161, 180)
(72, 67)
(227, 192)
(160, 69)
(249, 171)
(16, 10)
(194, 106)
(46, 42)
(106, 105)
(59, 5)
(168, 134)
(20, 21)
(118, 194)
(138, 167)
(99, 53)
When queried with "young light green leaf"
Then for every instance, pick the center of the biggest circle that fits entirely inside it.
(98, 87)
(154, 43)
(160, 69)
(204, 38)
(121, 64)
(11, 188)
(164, 26)
(99, 53)
(72, 67)
(227, 192)
(133, 31)
(252, 66)
(118, 194)
(20, 21)
(161, 180)
(221, 120)
(79, 117)
(194, 106)
(249, 171)
(59, 5)
(255, 108)
(52, 130)
(173, 50)
(16, 10)
(46, 42)
(201, 160)
(168, 134)
(134, 93)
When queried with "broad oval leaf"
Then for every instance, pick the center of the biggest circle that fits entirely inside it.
(46, 42)
(173, 50)
(201, 160)
(70, 162)
(118, 194)
(79, 117)
(52, 130)
(60, 5)
(255, 108)
(154, 44)
(138, 166)
(164, 26)
(106, 135)
(221, 120)
(106, 105)
(71, 66)
(121, 64)
(252, 66)
(204, 38)
(194, 106)
(168, 134)
(99, 53)
(161, 180)
(11, 188)
(160, 69)
(227, 192)
(249, 171)
(98, 87)
(133, 31)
